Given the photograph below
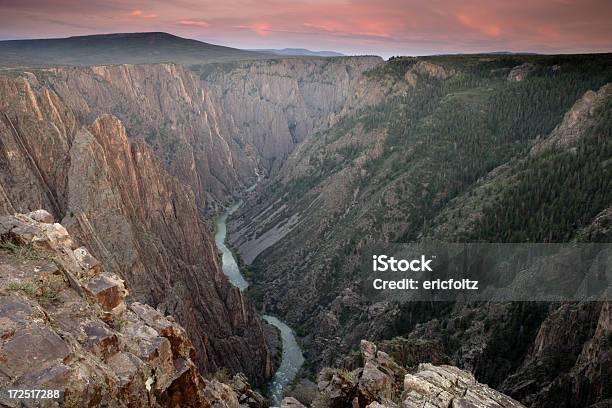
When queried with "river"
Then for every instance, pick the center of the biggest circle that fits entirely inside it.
(292, 358)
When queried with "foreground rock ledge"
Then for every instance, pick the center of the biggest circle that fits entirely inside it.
(65, 324)
(382, 383)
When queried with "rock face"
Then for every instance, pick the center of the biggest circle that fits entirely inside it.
(381, 382)
(172, 110)
(69, 327)
(275, 106)
(139, 221)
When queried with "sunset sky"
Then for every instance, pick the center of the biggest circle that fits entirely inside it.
(383, 27)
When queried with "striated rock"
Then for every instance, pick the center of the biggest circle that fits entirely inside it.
(55, 336)
(275, 106)
(210, 132)
(137, 203)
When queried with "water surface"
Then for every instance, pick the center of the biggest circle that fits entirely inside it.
(291, 363)
(292, 358)
(230, 266)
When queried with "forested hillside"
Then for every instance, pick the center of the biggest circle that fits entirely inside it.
(471, 148)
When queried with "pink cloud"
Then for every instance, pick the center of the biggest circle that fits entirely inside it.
(362, 26)
(389, 27)
(194, 23)
(262, 29)
(139, 13)
(477, 24)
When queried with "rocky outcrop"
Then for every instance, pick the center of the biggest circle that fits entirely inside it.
(381, 382)
(575, 122)
(143, 224)
(290, 402)
(432, 69)
(570, 358)
(67, 325)
(447, 386)
(520, 72)
(600, 230)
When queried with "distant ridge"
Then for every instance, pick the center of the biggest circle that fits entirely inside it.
(122, 48)
(299, 52)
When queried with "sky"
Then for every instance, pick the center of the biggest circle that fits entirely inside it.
(381, 27)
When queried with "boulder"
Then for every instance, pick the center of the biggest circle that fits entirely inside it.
(290, 402)
(90, 265)
(375, 384)
(42, 216)
(520, 72)
(368, 350)
(108, 291)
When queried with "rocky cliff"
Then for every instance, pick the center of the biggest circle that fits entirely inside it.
(214, 134)
(69, 325)
(141, 222)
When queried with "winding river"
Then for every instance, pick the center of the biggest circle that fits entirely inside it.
(292, 358)
(230, 266)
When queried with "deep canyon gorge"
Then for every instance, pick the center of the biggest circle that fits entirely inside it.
(326, 156)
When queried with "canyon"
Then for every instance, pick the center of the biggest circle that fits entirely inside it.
(136, 160)
(129, 158)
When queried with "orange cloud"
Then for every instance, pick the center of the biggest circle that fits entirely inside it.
(194, 23)
(136, 13)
